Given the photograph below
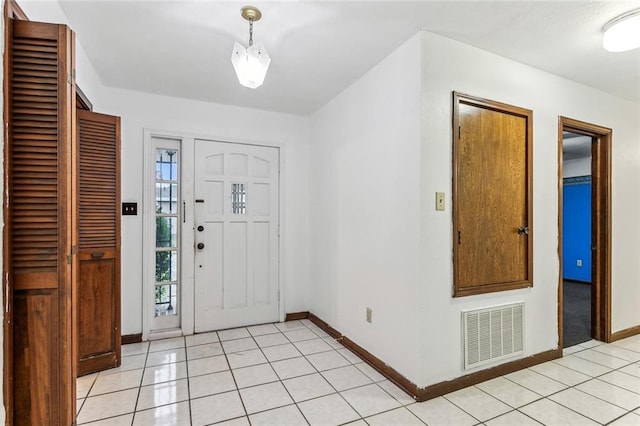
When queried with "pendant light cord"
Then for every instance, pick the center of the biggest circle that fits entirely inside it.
(250, 32)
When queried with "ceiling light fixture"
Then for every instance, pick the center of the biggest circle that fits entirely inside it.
(251, 64)
(622, 33)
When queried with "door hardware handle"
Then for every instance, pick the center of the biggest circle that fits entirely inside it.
(97, 255)
(523, 230)
(200, 228)
(200, 246)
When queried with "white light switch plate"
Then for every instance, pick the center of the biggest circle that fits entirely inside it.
(439, 200)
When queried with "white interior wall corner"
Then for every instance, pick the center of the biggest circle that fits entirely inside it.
(2, 191)
(365, 209)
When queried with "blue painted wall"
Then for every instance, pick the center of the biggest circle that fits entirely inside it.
(576, 227)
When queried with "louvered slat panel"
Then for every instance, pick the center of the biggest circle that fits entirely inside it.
(40, 224)
(34, 175)
(99, 242)
(98, 184)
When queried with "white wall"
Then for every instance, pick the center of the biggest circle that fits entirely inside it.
(141, 111)
(2, 189)
(365, 212)
(449, 65)
(576, 167)
(366, 217)
(50, 11)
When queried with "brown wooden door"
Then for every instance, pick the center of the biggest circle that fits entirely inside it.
(492, 214)
(40, 225)
(98, 242)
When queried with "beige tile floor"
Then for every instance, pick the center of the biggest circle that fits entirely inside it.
(294, 374)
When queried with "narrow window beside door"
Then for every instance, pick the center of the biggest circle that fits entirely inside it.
(167, 189)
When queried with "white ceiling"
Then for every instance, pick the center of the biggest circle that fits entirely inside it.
(183, 48)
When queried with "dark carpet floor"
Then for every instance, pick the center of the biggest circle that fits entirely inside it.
(576, 312)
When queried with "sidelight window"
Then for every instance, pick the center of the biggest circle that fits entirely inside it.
(167, 212)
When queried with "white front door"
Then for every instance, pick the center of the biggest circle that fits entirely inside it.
(236, 235)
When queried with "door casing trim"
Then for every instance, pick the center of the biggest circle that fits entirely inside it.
(600, 226)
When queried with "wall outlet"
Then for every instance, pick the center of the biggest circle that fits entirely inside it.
(369, 314)
(579, 262)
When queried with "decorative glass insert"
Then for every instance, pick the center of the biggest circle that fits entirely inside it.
(238, 198)
(167, 198)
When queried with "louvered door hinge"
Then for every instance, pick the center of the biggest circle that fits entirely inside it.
(70, 256)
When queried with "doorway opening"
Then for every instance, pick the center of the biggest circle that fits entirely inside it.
(584, 295)
(576, 238)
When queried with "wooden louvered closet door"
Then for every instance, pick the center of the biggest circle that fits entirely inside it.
(98, 242)
(40, 228)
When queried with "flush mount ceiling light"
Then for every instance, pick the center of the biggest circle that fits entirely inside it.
(622, 33)
(251, 64)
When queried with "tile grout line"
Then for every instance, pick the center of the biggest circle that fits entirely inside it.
(316, 372)
(93, 382)
(357, 387)
(578, 390)
(237, 390)
(98, 375)
(590, 378)
(186, 367)
(144, 369)
(279, 379)
(321, 375)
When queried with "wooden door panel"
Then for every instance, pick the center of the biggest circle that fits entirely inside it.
(491, 197)
(98, 242)
(492, 251)
(40, 227)
(34, 312)
(96, 293)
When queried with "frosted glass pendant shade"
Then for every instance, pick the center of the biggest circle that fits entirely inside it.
(623, 33)
(251, 64)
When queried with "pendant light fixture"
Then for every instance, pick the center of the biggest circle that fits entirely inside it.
(622, 33)
(251, 64)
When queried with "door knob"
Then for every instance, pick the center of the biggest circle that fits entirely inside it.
(200, 228)
(523, 230)
(200, 246)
